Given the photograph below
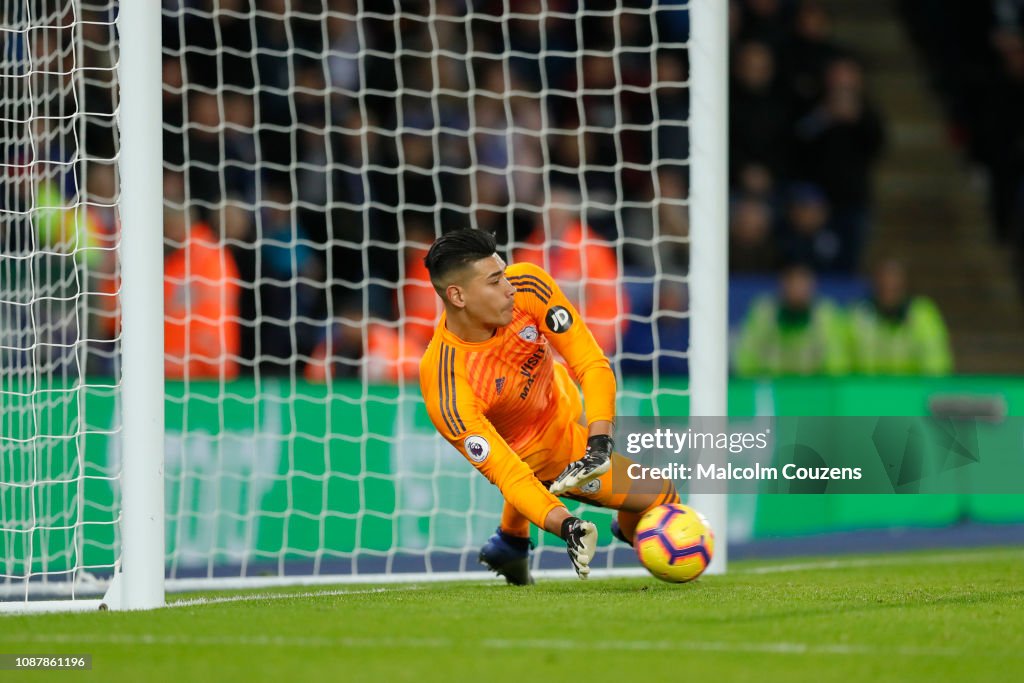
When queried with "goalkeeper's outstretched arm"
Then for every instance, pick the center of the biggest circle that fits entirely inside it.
(456, 414)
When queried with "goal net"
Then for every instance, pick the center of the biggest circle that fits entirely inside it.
(58, 303)
(312, 150)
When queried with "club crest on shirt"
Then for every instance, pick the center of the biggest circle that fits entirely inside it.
(477, 448)
(591, 487)
(499, 384)
(528, 333)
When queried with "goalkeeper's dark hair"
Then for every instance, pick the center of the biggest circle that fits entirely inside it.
(456, 250)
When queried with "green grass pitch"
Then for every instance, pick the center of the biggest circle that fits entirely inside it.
(953, 615)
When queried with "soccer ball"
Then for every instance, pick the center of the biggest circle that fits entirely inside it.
(674, 543)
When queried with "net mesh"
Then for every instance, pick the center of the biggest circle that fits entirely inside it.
(58, 292)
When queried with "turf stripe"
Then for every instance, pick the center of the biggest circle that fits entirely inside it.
(440, 643)
(861, 562)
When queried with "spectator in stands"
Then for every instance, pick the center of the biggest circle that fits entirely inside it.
(806, 55)
(975, 54)
(419, 307)
(233, 49)
(492, 143)
(794, 333)
(658, 237)
(760, 119)
(240, 167)
(894, 333)
(344, 62)
(290, 270)
(355, 346)
(807, 235)
(393, 349)
(596, 99)
(765, 21)
(173, 107)
(339, 355)
(236, 223)
(1000, 133)
(201, 287)
(526, 38)
(585, 267)
(419, 192)
(314, 179)
(99, 95)
(751, 238)
(838, 143)
(755, 180)
(203, 148)
(104, 281)
(672, 137)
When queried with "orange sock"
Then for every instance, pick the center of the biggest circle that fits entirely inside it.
(513, 522)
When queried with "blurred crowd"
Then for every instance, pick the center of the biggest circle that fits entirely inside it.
(310, 159)
(803, 137)
(975, 55)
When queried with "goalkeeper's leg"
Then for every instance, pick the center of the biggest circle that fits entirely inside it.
(507, 552)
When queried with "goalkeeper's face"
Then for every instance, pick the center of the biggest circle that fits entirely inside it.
(485, 293)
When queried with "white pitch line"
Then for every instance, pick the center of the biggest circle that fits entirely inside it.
(256, 597)
(441, 643)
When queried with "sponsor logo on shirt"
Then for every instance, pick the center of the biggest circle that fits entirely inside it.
(558, 319)
(526, 370)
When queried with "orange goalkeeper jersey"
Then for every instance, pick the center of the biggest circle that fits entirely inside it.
(500, 402)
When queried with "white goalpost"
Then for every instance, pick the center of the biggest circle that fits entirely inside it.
(709, 251)
(237, 195)
(142, 325)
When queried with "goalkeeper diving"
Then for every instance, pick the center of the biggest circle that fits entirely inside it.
(494, 390)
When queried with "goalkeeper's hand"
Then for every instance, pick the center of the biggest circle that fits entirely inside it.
(580, 542)
(596, 462)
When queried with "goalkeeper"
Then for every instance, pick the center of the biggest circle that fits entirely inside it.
(493, 389)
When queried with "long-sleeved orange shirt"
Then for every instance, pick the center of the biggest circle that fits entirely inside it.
(496, 400)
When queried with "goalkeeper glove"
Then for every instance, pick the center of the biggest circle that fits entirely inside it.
(596, 462)
(580, 542)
